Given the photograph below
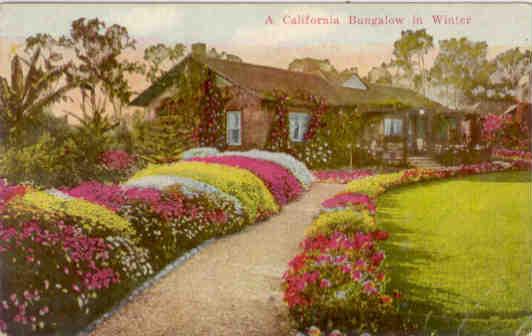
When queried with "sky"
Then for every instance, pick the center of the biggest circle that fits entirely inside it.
(258, 34)
(242, 29)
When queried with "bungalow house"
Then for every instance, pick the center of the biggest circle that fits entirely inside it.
(400, 122)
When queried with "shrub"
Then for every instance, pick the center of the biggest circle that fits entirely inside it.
(250, 190)
(341, 176)
(281, 183)
(167, 223)
(118, 163)
(373, 185)
(356, 200)
(338, 281)
(95, 219)
(298, 168)
(188, 187)
(345, 220)
(56, 277)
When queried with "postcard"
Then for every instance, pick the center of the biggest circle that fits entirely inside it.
(265, 169)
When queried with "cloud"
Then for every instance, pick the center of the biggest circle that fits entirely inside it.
(149, 21)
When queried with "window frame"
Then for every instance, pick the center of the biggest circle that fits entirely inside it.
(393, 120)
(229, 128)
(306, 115)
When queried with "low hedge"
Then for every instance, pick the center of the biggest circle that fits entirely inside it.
(257, 200)
(321, 289)
(77, 251)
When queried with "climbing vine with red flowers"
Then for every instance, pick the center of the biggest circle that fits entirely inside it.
(314, 150)
(211, 129)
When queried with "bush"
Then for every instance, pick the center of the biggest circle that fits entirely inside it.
(298, 168)
(54, 162)
(373, 185)
(348, 221)
(56, 277)
(188, 187)
(167, 223)
(280, 182)
(250, 190)
(338, 281)
(95, 219)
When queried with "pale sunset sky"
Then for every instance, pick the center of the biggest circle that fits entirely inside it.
(242, 29)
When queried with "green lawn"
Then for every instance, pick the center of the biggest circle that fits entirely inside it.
(461, 250)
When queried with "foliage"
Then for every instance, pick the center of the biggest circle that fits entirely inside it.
(212, 125)
(160, 58)
(94, 219)
(454, 155)
(296, 167)
(249, 189)
(167, 222)
(347, 220)
(188, 186)
(341, 176)
(338, 281)
(411, 45)
(278, 140)
(280, 182)
(23, 99)
(57, 277)
(358, 201)
(504, 131)
(460, 64)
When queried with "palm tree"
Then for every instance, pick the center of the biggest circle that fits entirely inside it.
(29, 92)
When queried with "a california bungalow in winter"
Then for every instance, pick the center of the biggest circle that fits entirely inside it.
(400, 121)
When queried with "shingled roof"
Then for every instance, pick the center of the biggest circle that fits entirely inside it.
(263, 80)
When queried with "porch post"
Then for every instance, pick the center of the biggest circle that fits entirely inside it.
(405, 118)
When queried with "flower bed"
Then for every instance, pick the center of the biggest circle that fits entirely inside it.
(298, 168)
(77, 251)
(341, 176)
(321, 287)
(511, 155)
(257, 200)
(65, 275)
(167, 222)
(281, 183)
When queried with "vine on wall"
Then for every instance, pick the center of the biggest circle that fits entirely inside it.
(212, 125)
(315, 151)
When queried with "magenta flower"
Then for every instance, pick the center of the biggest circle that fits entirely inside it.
(117, 160)
(346, 199)
(341, 176)
(281, 182)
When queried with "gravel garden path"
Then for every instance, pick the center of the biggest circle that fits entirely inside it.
(232, 287)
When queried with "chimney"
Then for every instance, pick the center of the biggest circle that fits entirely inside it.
(199, 49)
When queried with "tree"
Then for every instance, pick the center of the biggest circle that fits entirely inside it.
(507, 70)
(161, 58)
(23, 99)
(409, 56)
(461, 64)
(99, 70)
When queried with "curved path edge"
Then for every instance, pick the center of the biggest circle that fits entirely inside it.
(230, 287)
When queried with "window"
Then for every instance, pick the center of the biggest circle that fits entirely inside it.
(234, 128)
(393, 127)
(298, 125)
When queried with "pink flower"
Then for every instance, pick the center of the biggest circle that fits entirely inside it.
(341, 176)
(324, 283)
(283, 185)
(346, 199)
(117, 160)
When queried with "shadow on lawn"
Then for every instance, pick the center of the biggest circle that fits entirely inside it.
(507, 177)
(404, 259)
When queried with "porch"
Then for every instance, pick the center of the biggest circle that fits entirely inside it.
(394, 137)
